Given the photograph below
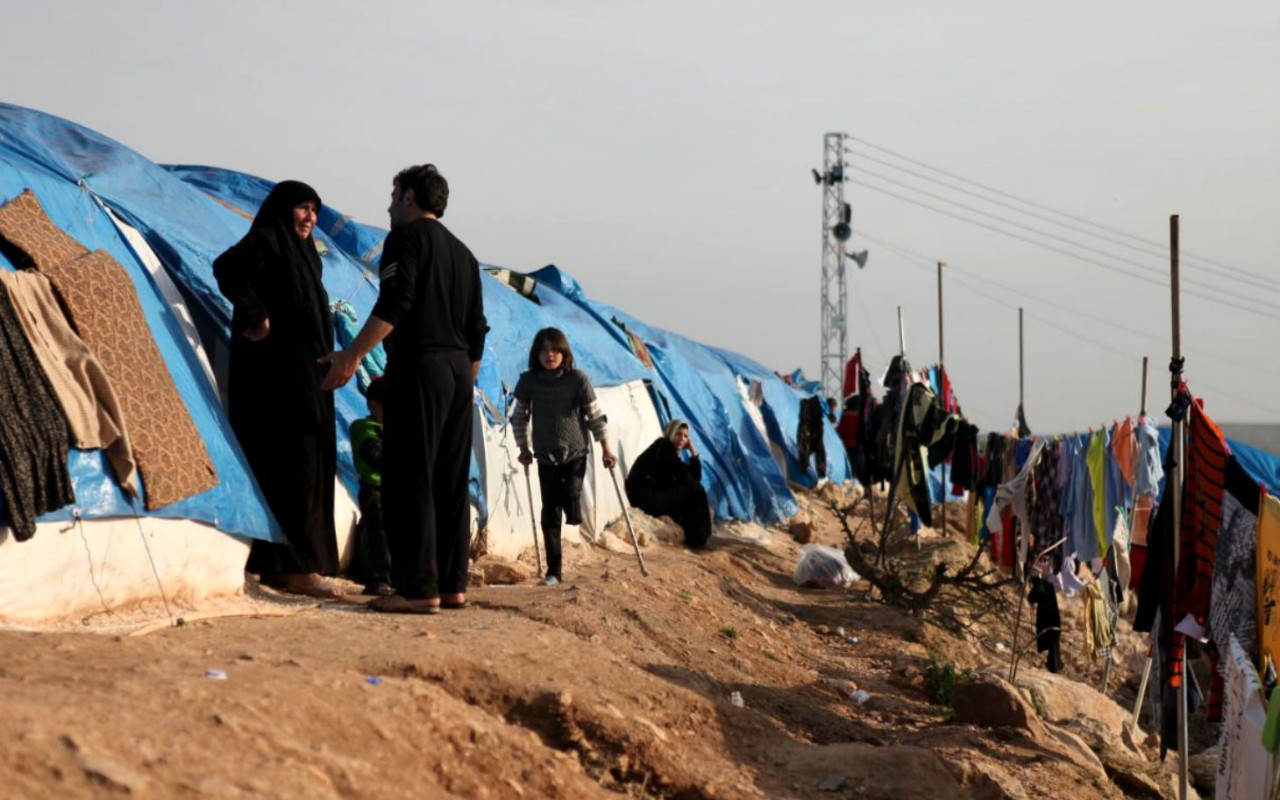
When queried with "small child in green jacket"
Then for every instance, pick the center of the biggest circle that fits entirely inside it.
(371, 562)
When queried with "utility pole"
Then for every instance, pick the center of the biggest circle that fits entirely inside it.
(836, 230)
(942, 360)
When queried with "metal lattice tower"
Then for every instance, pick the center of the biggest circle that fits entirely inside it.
(835, 232)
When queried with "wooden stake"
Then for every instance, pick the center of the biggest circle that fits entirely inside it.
(1142, 409)
(942, 359)
(1179, 475)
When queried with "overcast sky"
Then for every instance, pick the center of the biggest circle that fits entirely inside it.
(660, 153)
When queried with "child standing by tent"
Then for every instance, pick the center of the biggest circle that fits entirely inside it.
(563, 406)
(371, 562)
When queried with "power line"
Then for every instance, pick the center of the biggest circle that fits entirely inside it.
(961, 275)
(1155, 271)
(1229, 273)
(926, 261)
(866, 316)
(1077, 336)
(1183, 254)
(1267, 314)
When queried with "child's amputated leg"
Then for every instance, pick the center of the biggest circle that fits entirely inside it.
(561, 486)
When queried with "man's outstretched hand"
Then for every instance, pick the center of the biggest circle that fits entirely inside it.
(342, 365)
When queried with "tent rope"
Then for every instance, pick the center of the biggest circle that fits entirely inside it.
(78, 523)
(137, 518)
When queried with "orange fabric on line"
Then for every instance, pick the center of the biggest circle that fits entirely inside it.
(1124, 446)
(1269, 577)
(1206, 458)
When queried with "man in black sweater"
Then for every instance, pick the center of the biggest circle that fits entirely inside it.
(430, 312)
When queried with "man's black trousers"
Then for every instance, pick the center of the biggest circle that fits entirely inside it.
(426, 456)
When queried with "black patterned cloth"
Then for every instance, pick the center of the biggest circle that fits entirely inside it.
(1234, 599)
(34, 437)
(1046, 518)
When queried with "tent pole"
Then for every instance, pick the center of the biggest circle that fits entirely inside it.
(1020, 562)
(1179, 476)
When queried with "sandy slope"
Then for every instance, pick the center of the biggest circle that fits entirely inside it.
(611, 683)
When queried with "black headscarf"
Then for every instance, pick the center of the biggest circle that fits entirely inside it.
(274, 223)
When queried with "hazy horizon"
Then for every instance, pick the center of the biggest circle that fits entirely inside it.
(661, 155)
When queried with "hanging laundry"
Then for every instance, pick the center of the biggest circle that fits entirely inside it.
(1205, 477)
(1242, 760)
(1124, 449)
(34, 438)
(1048, 622)
(1233, 600)
(1157, 573)
(85, 393)
(1149, 470)
(1117, 494)
(1142, 507)
(1077, 500)
(1096, 461)
(809, 435)
(868, 468)
(964, 457)
(1046, 521)
(1268, 576)
(103, 307)
(1098, 636)
(29, 239)
(1120, 556)
(1016, 494)
(925, 439)
(1022, 452)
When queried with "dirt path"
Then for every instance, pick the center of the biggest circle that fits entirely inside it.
(611, 683)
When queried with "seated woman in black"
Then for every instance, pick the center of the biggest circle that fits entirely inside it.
(661, 483)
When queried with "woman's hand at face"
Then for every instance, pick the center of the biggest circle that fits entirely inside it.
(259, 332)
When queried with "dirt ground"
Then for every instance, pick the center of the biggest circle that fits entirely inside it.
(715, 677)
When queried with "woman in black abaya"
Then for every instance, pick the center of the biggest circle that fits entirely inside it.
(280, 326)
(662, 483)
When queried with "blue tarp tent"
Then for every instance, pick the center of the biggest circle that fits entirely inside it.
(188, 215)
(73, 171)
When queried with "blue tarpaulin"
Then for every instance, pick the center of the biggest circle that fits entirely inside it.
(71, 169)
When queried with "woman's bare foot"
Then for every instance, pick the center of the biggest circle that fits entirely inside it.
(310, 584)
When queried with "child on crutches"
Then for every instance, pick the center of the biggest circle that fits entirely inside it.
(563, 407)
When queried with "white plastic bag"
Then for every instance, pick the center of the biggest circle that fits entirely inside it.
(823, 566)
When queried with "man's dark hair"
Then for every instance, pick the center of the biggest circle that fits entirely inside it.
(430, 189)
(376, 392)
(558, 341)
